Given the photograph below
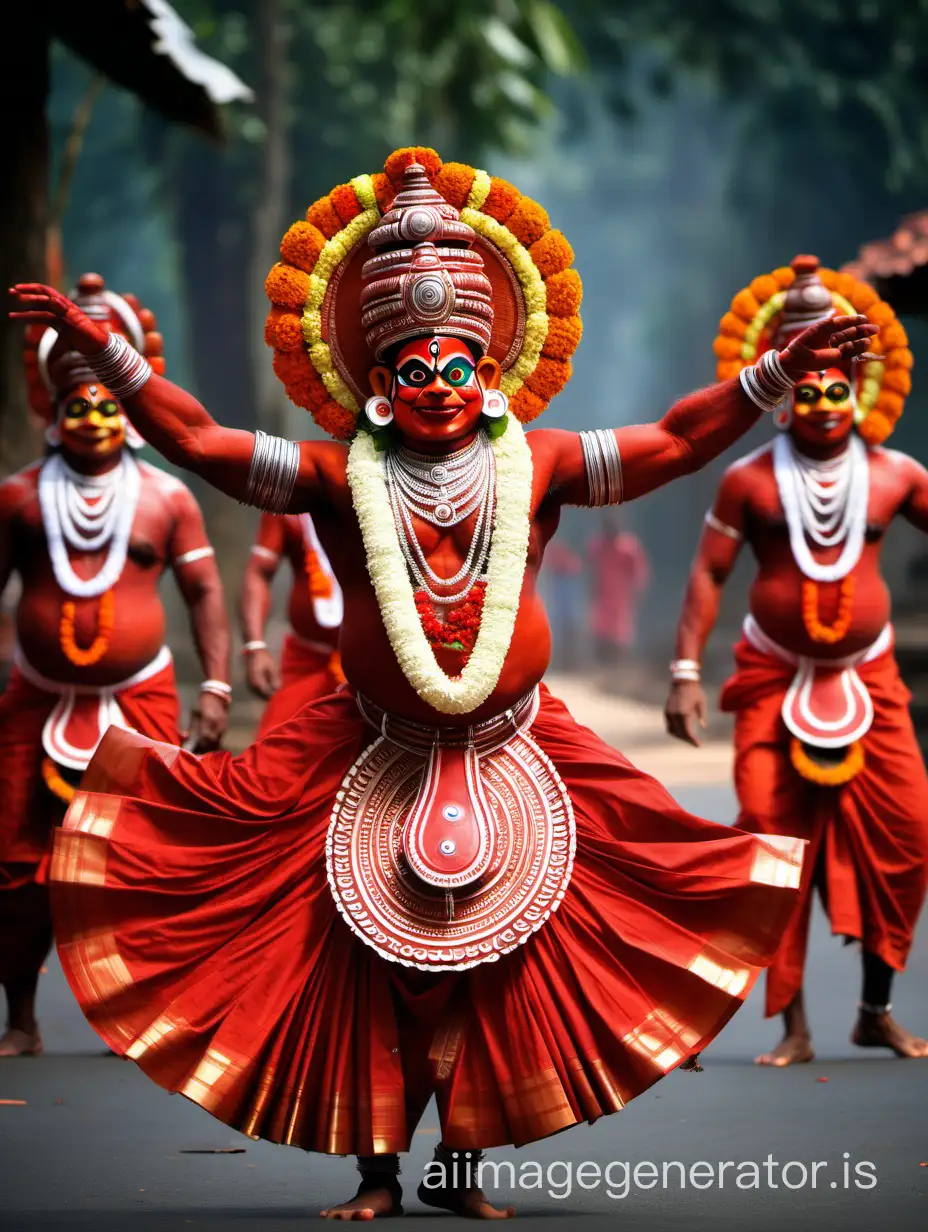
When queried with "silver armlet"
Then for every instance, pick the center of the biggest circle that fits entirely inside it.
(275, 465)
(120, 368)
(722, 527)
(603, 464)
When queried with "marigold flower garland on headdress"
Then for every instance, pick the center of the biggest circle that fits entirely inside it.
(756, 318)
(323, 366)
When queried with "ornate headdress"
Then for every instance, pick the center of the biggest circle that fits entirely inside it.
(454, 251)
(52, 370)
(778, 306)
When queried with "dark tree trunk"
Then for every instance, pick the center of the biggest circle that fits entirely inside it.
(24, 83)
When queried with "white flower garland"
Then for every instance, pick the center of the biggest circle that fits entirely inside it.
(393, 588)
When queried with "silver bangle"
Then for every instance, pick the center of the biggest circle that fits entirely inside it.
(875, 1010)
(251, 647)
(120, 368)
(272, 476)
(603, 464)
(766, 383)
(685, 669)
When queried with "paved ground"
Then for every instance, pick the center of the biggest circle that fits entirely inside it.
(97, 1147)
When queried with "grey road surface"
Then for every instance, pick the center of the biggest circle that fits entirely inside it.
(98, 1148)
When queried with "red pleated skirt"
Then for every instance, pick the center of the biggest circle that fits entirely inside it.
(196, 927)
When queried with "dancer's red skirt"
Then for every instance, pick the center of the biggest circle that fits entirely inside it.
(197, 929)
(29, 811)
(868, 840)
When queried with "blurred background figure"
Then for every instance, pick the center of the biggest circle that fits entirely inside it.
(310, 666)
(621, 575)
(562, 586)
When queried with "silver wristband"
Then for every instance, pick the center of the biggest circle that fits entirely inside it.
(120, 367)
(603, 464)
(766, 383)
(275, 465)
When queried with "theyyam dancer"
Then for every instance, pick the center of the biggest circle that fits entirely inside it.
(89, 531)
(434, 881)
(824, 744)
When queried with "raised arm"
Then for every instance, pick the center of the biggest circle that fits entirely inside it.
(687, 708)
(615, 465)
(251, 467)
(255, 605)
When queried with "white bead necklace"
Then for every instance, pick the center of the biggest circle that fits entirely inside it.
(88, 512)
(464, 483)
(824, 502)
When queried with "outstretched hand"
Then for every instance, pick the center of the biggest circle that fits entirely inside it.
(42, 305)
(828, 344)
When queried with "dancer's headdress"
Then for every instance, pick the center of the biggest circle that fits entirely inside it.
(424, 247)
(778, 306)
(52, 370)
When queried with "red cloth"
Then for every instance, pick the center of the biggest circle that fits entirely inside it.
(198, 932)
(868, 840)
(620, 574)
(29, 811)
(306, 674)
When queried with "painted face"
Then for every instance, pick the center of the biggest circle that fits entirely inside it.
(91, 422)
(823, 407)
(436, 389)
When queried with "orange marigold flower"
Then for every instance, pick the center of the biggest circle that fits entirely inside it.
(898, 380)
(334, 419)
(302, 245)
(725, 369)
(900, 357)
(158, 365)
(893, 336)
(501, 200)
(745, 305)
(890, 403)
(526, 406)
(400, 159)
(287, 287)
(154, 344)
(345, 203)
(551, 254)
(784, 277)
(528, 221)
(863, 296)
(727, 348)
(764, 287)
(829, 279)
(146, 319)
(303, 384)
(454, 181)
(845, 284)
(564, 292)
(875, 428)
(563, 336)
(383, 191)
(322, 215)
(283, 330)
(732, 326)
(549, 378)
(880, 314)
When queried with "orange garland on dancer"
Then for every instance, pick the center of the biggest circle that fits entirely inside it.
(837, 631)
(106, 620)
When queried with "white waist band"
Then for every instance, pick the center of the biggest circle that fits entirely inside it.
(761, 641)
(161, 660)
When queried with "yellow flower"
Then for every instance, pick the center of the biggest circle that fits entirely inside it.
(480, 189)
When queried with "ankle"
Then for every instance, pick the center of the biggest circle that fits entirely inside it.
(460, 1168)
(379, 1171)
(869, 1011)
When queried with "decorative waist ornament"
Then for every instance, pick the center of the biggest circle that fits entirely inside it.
(450, 847)
(827, 709)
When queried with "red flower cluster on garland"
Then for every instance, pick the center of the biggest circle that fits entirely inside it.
(461, 625)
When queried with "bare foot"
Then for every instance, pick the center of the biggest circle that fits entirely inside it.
(791, 1050)
(16, 1043)
(882, 1031)
(374, 1200)
(469, 1203)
